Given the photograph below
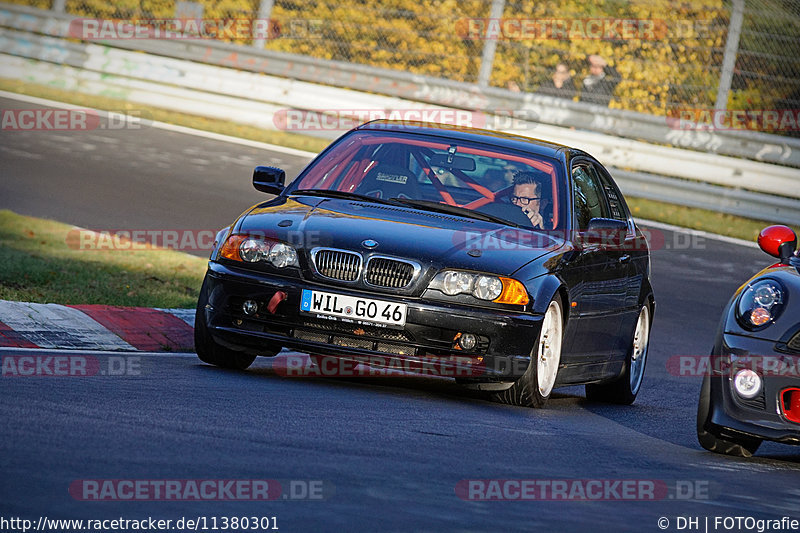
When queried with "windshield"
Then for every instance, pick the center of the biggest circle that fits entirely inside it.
(425, 171)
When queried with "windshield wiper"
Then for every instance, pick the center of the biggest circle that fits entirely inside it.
(329, 193)
(454, 210)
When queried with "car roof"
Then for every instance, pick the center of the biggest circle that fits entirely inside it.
(497, 138)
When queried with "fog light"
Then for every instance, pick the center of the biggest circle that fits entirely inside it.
(747, 383)
(468, 341)
(250, 307)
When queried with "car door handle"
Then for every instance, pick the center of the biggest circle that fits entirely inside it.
(624, 259)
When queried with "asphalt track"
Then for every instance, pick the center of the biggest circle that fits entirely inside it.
(389, 451)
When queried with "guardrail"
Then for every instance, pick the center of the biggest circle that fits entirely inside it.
(757, 146)
(212, 90)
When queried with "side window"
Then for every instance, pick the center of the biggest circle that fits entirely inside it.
(616, 204)
(590, 197)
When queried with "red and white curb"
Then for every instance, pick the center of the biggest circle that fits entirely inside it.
(95, 327)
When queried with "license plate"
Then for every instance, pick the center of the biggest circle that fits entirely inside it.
(353, 309)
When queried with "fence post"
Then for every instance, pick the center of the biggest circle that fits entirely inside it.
(59, 6)
(729, 59)
(490, 46)
(264, 13)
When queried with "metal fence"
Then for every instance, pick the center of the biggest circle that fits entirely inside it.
(652, 56)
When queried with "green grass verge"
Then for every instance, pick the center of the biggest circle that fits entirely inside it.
(701, 219)
(39, 266)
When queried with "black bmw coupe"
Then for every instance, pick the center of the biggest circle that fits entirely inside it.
(512, 261)
(751, 391)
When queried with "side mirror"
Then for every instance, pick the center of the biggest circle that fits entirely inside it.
(269, 179)
(778, 241)
(606, 231)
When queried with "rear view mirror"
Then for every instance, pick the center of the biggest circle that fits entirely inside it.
(269, 179)
(457, 162)
(606, 231)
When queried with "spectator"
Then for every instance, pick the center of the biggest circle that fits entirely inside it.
(561, 85)
(599, 85)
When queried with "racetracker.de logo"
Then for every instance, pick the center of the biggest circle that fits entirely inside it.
(186, 240)
(564, 29)
(175, 489)
(581, 490)
(734, 119)
(715, 365)
(70, 366)
(347, 119)
(199, 489)
(196, 28)
(374, 366)
(49, 120)
(71, 120)
(140, 239)
(174, 28)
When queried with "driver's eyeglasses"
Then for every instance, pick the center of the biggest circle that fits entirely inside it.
(524, 200)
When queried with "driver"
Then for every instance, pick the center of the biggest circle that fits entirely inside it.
(527, 196)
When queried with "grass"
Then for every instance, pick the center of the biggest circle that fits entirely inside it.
(39, 266)
(700, 219)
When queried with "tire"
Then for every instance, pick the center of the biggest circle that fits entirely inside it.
(744, 447)
(624, 389)
(209, 351)
(534, 387)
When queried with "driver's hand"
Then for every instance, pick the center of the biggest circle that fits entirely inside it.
(535, 217)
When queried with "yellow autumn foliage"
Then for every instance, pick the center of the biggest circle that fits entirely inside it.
(675, 64)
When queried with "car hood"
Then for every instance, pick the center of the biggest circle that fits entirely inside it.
(430, 238)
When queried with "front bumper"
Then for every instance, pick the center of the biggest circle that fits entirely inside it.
(760, 417)
(502, 354)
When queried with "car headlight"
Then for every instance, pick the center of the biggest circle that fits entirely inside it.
(282, 255)
(760, 304)
(252, 249)
(496, 289)
(487, 287)
(454, 282)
